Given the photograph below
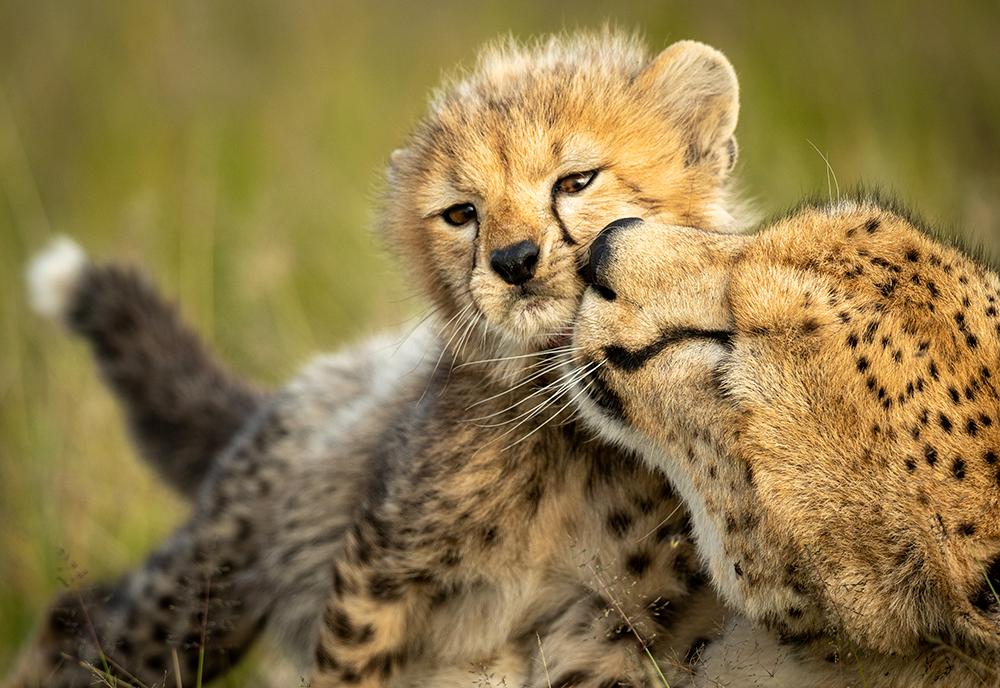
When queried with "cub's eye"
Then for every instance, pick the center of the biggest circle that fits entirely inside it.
(576, 182)
(459, 214)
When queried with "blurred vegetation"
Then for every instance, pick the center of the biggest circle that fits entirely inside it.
(232, 147)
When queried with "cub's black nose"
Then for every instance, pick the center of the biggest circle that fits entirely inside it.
(515, 263)
(600, 256)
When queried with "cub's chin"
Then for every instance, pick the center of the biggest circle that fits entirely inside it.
(533, 324)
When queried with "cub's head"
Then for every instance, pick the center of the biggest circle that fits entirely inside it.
(826, 396)
(521, 162)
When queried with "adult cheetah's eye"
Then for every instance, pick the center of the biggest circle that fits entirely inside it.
(576, 182)
(459, 214)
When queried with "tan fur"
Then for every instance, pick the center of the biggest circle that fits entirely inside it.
(831, 382)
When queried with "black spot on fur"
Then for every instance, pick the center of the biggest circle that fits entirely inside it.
(872, 225)
(930, 454)
(385, 664)
(618, 523)
(490, 536)
(958, 468)
(384, 587)
(663, 612)
(159, 633)
(966, 529)
(324, 660)
(945, 422)
(343, 629)
(637, 563)
(573, 679)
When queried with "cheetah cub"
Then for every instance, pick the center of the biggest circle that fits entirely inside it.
(400, 515)
(823, 396)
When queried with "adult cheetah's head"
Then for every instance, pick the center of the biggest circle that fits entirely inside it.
(520, 162)
(826, 395)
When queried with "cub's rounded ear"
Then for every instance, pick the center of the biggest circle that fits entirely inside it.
(700, 94)
(397, 156)
(397, 159)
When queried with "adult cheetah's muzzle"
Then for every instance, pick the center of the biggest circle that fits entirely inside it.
(595, 273)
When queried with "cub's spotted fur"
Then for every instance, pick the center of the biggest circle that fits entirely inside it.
(431, 501)
(823, 395)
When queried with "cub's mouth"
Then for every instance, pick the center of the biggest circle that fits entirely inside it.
(531, 321)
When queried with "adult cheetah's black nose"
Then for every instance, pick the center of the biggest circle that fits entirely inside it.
(515, 263)
(596, 272)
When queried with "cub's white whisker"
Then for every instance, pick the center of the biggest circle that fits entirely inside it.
(445, 348)
(460, 347)
(553, 416)
(537, 374)
(541, 390)
(567, 385)
(519, 356)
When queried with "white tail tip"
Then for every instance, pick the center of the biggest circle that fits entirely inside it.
(53, 276)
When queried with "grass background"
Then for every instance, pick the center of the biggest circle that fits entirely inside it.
(231, 148)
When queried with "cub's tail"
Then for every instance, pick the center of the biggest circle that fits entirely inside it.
(183, 407)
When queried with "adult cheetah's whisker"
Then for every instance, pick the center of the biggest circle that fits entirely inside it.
(541, 390)
(514, 358)
(550, 367)
(553, 416)
(566, 386)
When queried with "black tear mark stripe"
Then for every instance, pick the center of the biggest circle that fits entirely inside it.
(554, 207)
(630, 361)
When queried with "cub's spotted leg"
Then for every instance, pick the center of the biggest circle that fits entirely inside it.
(199, 589)
(368, 632)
